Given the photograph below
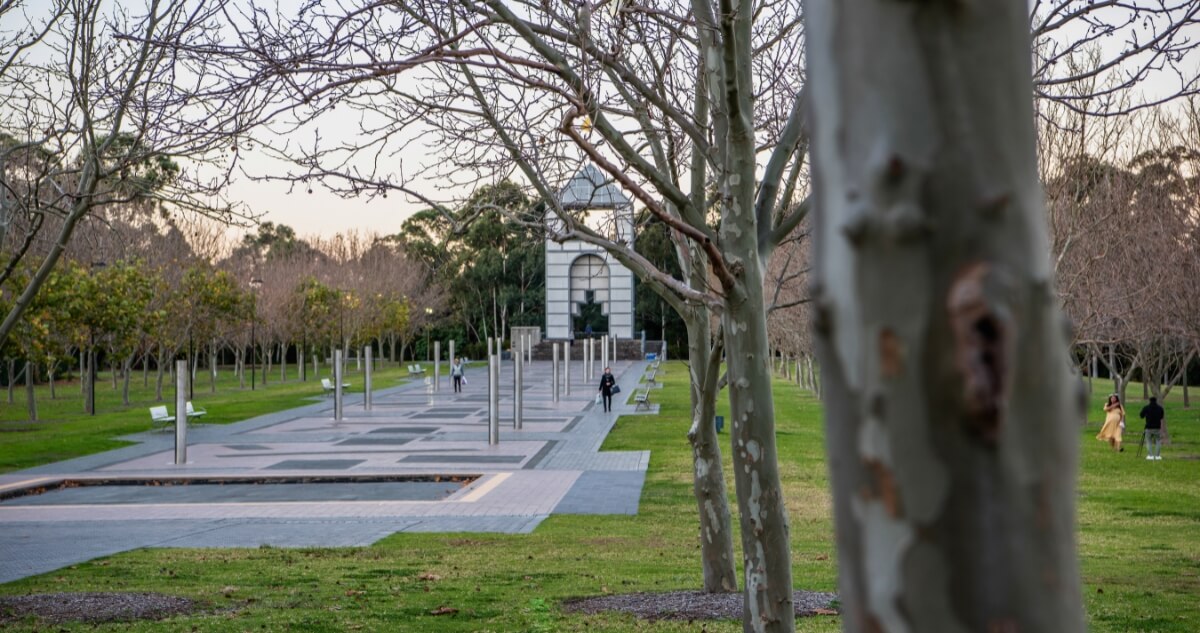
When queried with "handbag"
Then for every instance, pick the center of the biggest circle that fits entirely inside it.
(598, 396)
(616, 389)
(464, 380)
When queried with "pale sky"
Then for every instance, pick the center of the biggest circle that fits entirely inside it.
(322, 213)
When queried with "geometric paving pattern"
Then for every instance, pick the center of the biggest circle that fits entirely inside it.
(552, 465)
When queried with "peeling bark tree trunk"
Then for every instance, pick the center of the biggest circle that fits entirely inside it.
(54, 396)
(708, 475)
(762, 515)
(951, 405)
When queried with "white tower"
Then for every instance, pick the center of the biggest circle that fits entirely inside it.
(579, 274)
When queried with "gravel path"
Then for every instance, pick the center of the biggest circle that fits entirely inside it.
(693, 605)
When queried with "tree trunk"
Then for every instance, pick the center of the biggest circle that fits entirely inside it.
(30, 399)
(762, 514)
(282, 362)
(146, 369)
(12, 379)
(160, 360)
(54, 396)
(112, 368)
(239, 360)
(950, 404)
(812, 373)
(708, 476)
(1187, 403)
(127, 374)
(212, 365)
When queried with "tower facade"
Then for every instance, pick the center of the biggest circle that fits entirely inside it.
(586, 288)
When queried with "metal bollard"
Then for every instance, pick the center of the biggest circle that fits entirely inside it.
(494, 399)
(369, 354)
(603, 352)
(437, 366)
(450, 359)
(337, 385)
(554, 373)
(490, 353)
(567, 368)
(518, 390)
(181, 391)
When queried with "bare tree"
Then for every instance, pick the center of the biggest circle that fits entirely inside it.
(675, 104)
(96, 113)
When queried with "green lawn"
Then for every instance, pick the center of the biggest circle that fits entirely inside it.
(63, 431)
(1139, 524)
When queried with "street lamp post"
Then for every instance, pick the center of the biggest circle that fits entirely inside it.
(428, 326)
(255, 284)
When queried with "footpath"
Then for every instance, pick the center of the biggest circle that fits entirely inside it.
(417, 462)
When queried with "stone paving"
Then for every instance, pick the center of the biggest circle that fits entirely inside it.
(552, 465)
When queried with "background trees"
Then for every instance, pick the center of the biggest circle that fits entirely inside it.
(99, 113)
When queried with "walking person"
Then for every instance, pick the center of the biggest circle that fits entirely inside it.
(456, 373)
(1114, 423)
(1153, 414)
(607, 384)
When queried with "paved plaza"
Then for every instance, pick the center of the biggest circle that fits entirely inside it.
(422, 461)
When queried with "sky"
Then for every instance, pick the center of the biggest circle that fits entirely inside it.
(319, 213)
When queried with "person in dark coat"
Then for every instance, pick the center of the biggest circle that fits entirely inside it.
(607, 382)
(1153, 414)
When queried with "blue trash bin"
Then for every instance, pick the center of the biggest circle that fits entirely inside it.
(720, 422)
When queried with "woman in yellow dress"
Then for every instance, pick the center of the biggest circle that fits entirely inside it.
(1114, 423)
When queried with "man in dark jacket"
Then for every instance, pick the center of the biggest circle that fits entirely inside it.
(1153, 414)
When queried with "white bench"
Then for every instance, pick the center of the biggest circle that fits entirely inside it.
(642, 399)
(415, 370)
(327, 385)
(650, 378)
(160, 417)
(193, 412)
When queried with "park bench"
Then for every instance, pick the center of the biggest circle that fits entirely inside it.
(159, 417)
(327, 385)
(650, 377)
(193, 412)
(416, 370)
(642, 399)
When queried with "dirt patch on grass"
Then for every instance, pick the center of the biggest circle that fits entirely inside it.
(95, 607)
(693, 605)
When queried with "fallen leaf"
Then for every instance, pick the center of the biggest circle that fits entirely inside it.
(444, 611)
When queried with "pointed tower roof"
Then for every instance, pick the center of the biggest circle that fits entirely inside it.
(591, 189)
